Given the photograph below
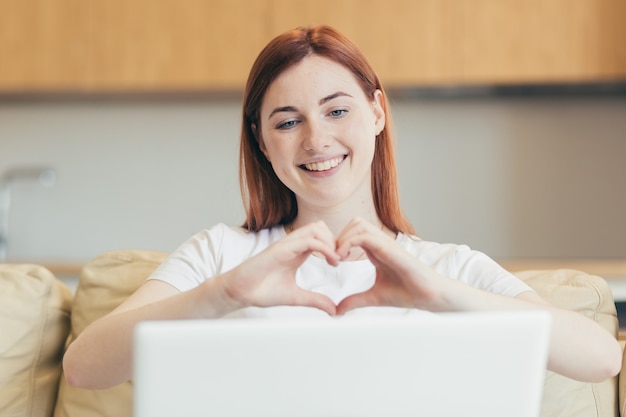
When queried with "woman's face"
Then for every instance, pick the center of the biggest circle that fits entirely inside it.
(318, 130)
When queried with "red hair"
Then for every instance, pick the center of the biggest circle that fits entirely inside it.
(268, 202)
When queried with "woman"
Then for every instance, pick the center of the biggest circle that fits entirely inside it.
(324, 233)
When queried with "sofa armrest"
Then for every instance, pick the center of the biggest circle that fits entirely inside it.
(110, 278)
(591, 296)
(35, 322)
(105, 282)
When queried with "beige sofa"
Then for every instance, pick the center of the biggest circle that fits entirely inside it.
(39, 315)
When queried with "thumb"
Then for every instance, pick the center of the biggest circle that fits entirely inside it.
(312, 299)
(364, 299)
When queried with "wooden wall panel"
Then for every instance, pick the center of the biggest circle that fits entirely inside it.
(478, 42)
(536, 41)
(612, 39)
(209, 45)
(42, 44)
(404, 40)
(172, 45)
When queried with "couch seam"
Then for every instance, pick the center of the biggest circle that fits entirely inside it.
(595, 316)
(125, 258)
(594, 386)
(37, 357)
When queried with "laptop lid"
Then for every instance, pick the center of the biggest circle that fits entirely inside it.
(452, 364)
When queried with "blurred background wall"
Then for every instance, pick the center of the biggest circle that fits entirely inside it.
(510, 117)
(513, 176)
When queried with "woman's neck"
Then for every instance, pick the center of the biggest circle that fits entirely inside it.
(335, 218)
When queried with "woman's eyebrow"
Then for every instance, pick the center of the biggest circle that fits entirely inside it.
(322, 101)
(334, 96)
(281, 109)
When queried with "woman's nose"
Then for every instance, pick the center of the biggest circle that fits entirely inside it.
(316, 137)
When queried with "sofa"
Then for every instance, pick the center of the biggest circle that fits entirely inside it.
(40, 316)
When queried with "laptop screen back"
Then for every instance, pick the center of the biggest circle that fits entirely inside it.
(453, 364)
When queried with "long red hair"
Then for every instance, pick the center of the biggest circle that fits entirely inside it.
(268, 202)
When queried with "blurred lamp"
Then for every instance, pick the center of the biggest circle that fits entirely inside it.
(44, 175)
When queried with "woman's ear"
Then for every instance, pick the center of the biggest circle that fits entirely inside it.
(259, 139)
(379, 111)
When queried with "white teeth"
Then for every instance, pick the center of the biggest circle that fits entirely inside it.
(324, 166)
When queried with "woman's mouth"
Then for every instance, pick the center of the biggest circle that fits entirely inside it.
(323, 165)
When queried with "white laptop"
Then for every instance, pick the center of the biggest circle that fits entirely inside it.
(453, 364)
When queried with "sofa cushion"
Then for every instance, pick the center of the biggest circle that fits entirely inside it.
(110, 278)
(591, 296)
(105, 282)
(35, 322)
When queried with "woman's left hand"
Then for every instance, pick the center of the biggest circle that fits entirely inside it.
(401, 280)
(579, 347)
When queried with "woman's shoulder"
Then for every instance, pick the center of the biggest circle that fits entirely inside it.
(243, 233)
(418, 246)
(222, 235)
(213, 251)
(449, 257)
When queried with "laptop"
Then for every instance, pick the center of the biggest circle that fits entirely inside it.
(451, 364)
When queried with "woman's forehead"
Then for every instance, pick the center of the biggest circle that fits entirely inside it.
(312, 79)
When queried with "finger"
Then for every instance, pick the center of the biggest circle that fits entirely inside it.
(370, 243)
(312, 299)
(316, 237)
(364, 299)
(356, 226)
(312, 244)
(318, 229)
(360, 233)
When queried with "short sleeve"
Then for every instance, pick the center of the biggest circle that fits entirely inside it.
(194, 261)
(480, 271)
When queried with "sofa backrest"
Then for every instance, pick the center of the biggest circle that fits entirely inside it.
(34, 324)
(589, 295)
(107, 280)
(105, 283)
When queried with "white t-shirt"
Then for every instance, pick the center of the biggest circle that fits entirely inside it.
(214, 251)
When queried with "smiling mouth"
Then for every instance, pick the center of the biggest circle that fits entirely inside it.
(323, 165)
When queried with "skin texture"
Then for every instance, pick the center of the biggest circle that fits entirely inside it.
(318, 130)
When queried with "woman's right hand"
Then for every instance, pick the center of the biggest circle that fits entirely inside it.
(269, 278)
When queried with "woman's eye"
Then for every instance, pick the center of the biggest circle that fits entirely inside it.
(338, 113)
(287, 125)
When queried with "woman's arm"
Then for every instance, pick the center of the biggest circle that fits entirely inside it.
(580, 348)
(101, 356)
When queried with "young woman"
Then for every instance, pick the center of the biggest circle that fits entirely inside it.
(324, 234)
